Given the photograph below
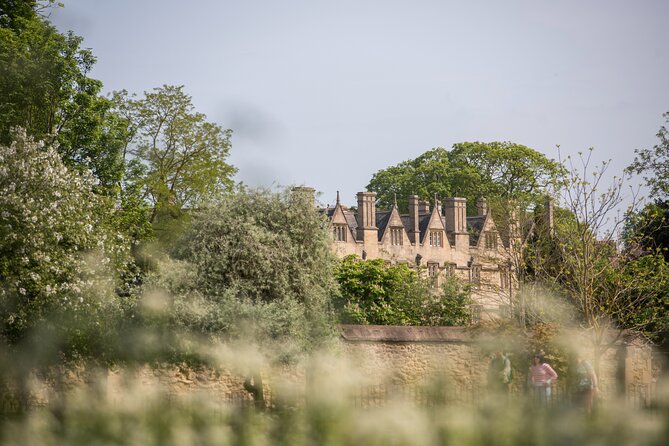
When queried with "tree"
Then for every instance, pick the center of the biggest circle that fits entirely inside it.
(253, 266)
(655, 163)
(12, 11)
(579, 257)
(262, 269)
(45, 88)
(373, 292)
(647, 232)
(178, 157)
(496, 170)
(61, 255)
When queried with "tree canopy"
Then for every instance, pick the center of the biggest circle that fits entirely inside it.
(653, 163)
(45, 88)
(259, 268)
(496, 170)
(178, 158)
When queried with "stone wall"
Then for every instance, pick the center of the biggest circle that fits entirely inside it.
(413, 356)
(420, 361)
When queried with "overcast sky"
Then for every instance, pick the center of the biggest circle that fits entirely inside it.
(326, 93)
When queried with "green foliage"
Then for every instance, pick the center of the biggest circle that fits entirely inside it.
(338, 407)
(61, 255)
(178, 157)
(579, 259)
(654, 163)
(45, 88)
(496, 170)
(644, 304)
(373, 292)
(647, 232)
(257, 266)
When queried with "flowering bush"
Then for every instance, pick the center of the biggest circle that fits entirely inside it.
(59, 252)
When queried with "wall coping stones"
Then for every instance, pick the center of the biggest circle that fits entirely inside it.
(392, 333)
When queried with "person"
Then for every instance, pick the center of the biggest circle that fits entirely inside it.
(586, 384)
(499, 373)
(540, 377)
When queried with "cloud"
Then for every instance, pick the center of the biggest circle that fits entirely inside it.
(253, 124)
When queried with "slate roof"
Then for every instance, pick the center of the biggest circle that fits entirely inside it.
(474, 227)
(423, 221)
(351, 220)
(406, 221)
(474, 224)
(382, 219)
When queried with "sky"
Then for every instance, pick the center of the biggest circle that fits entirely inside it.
(326, 93)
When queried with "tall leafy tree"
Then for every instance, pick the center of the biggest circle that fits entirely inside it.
(578, 258)
(648, 230)
(653, 163)
(177, 158)
(45, 88)
(261, 269)
(496, 170)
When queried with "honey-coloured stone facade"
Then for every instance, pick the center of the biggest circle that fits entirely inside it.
(438, 239)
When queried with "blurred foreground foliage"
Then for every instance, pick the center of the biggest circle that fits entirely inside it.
(330, 411)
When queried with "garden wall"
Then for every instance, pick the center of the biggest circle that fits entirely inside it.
(422, 363)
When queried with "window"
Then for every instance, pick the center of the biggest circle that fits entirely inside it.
(396, 236)
(449, 269)
(504, 279)
(339, 232)
(436, 238)
(476, 274)
(490, 240)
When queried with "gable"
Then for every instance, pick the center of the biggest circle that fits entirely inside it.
(339, 216)
(392, 220)
(478, 226)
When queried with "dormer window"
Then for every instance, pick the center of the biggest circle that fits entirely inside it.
(396, 236)
(436, 238)
(339, 232)
(490, 240)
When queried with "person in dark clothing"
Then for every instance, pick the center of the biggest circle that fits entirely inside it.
(499, 373)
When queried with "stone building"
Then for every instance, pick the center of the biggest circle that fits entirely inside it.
(439, 238)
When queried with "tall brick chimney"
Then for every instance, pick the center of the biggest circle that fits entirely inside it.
(367, 230)
(455, 216)
(414, 221)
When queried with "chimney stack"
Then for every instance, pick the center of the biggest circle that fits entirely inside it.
(414, 221)
(367, 231)
(455, 216)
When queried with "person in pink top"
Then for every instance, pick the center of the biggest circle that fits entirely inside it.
(540, 377)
